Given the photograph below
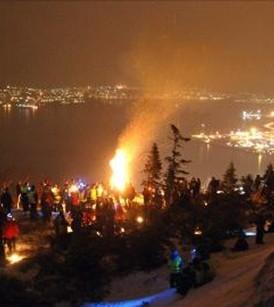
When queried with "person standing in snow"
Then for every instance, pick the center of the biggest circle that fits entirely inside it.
(24, 197)
(2, 242)
(10, 233)
(33, 200)
(6, 200)
(260, 221)
(47, 203)
(60, 225)
(175, 265)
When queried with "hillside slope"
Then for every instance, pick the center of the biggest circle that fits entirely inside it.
(234, 285)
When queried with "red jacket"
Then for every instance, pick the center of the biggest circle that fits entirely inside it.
(11, 230)
(75, 200)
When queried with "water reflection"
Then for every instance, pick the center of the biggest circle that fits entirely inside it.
(65, 141)
(259, 159)
(7, 108)
(207, 149)
(27, 113)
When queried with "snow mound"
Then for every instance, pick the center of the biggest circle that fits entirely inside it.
(238, 276)
(139, 284)
(264, 284)
(144, 301)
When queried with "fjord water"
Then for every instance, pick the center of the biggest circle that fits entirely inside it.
(65, 141)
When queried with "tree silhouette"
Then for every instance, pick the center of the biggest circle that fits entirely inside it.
(269, 184)
(153, 168)
(230, 179)
(247, 182)
(175, 171)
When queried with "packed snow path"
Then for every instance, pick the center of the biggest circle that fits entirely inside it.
(144, 301)
(233, 286)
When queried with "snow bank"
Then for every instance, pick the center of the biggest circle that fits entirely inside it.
(234, 285)
(164, 295)
(264, 281)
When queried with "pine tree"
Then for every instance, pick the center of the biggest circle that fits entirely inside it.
(247, 182)
(230, 179)
(269, 173)
(269, 182)
(175, 172)
(153, 168)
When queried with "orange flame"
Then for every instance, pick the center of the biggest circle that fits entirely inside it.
(119, 166)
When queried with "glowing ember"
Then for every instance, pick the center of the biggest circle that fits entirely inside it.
(198, 231)
(139, 219)
(119, 166)
(14, 258)
(69, 229)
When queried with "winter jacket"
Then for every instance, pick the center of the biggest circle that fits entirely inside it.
(175, 264)
(11, 230)
(32, 197)
(75, 201)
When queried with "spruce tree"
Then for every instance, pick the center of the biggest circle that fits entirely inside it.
(247, 182)
(153, 168)
(269, 173)
(269, 182)
(230, 179)
(175, 171)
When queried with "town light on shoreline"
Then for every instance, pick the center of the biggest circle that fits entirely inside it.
(119, 167)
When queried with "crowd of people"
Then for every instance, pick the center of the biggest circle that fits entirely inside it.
(73, 206)
(258, 187)
(155, 195)
(76, 204)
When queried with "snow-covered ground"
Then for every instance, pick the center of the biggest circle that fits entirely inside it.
(234, 284)
(33, 239)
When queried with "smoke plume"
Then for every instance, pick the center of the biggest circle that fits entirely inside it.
(156, 64)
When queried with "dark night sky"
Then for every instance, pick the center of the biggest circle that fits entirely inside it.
(220, 45)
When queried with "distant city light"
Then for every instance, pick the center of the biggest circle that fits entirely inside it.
(253, 139)
(246, 115)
